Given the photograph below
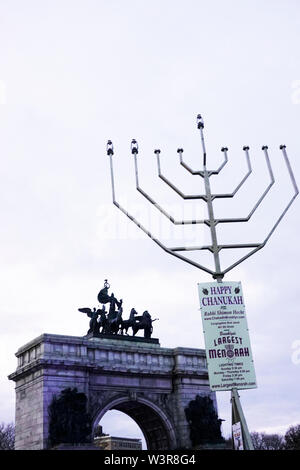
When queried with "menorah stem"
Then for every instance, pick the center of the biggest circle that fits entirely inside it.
(212, 225)
(212, 221)
(203, 146)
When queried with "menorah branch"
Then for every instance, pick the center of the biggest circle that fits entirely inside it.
(272, 180)
(214, 196)
(209, 173)
(210, 247)
(200, 172)
(140, 226)
(155, 204)
(168, 182)
(296, 192)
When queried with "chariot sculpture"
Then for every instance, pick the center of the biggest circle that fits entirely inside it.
(112, 322)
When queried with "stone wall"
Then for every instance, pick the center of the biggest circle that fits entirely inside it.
(29, 412)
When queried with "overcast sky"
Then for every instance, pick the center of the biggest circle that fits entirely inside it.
(74, 74)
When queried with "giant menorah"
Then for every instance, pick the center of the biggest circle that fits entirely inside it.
(208, 197)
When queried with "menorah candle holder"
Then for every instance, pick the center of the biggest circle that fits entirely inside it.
(208, 197)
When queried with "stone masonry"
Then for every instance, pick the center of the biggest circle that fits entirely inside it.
(151, 384)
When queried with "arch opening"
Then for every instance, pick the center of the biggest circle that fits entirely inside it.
(118, 424)
(153, 423)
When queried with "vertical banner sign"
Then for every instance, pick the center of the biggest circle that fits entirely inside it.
(227, 342)
(237, 436)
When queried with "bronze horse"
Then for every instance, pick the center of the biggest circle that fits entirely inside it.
(126, 324)
(144, 323)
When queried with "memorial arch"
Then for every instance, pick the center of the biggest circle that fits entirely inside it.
(151, 384)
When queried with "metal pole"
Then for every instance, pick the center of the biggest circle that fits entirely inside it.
(212, 227)
(238, 416)
(209, 199)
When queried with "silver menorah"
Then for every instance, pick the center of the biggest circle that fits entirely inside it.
(208, 197)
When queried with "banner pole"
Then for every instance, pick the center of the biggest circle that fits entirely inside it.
(238, 416)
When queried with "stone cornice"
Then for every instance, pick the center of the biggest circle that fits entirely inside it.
(48, 352)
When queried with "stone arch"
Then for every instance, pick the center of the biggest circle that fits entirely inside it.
(151, 384)
(157, 428)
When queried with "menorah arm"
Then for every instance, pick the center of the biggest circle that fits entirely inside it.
(133, 219)
(294, 184)
(181, 194)
(211, 248)
(296, 192)
(256, 246)
(161, 245)
(229, 195)
(272, 180)
(187, 167)
(201, 173)
(152, 201)
(259, 247)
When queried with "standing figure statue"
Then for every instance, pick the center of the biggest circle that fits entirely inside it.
(103, 320)
(116, 321)
(111, 326)
(112, 308)
(147, 322)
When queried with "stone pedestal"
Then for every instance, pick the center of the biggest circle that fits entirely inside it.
(151, 384)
